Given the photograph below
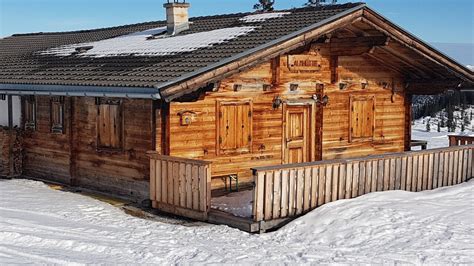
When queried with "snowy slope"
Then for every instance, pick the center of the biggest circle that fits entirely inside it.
(40, 225)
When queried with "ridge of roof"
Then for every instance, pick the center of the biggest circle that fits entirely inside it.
(197, 18)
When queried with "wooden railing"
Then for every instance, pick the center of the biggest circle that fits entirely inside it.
(180, 186)
(284, 191)
(456, 140)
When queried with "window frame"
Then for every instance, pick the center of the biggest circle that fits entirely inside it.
(32, 124)
(116, 102)
(58, 128)
(354, 98)
(239, 150)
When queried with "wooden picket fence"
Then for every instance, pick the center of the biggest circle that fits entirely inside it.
(180, 186)
(284, 191)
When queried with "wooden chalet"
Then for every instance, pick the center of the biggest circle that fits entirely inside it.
(208, 99)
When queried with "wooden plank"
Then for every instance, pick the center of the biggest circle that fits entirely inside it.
(409, 175)
(268, 206)
(277, 193)
(386, 175)
(314, 186)
(170, 183)
(164, 181)
(158, 174)
(355, 179)
(195, 186)
(362, 178)
(292, 193)
(435, 170)
(403, 173)
(203, 204)
(342, 182)
(307, 189)
(391, 183)
(335, 182)
(368, 176)
(176, 183)
(459, 166)
(182, 185)
(398, 175)
(414, 177)
(430, 171)
(285, 178)
(373, 187)
(259, 197)
(465, 165)
(328, 189)
(299, 191)
(349, 180)
(450, 168)
(189, 186)
(419, 181)
(470, 164)
(446, 169)
(380, 172)
(321, 184)
(425, 172)
(153, 180)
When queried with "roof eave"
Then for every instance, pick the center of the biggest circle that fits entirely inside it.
(79, 91)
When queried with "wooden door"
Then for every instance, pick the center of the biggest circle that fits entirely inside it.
(297, 134)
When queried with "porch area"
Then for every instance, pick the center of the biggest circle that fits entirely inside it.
(282, 193)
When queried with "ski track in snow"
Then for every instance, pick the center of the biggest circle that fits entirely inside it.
(41, 225)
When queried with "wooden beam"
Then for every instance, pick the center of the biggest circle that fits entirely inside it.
(334, 63)
(389, 65)
(409, 60)
(373, 19)
(432, 86)
(194, 83)
(10, 135)
(393, 58)
(72, 143)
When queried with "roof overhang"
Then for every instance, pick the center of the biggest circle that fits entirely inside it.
(87, 91)
(461, 76)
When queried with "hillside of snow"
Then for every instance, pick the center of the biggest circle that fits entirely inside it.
(440, 139)
(44, 226)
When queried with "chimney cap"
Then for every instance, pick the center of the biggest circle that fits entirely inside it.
(177, 3)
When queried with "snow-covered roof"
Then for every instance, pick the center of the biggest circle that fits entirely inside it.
(141, 43)
(263, 16)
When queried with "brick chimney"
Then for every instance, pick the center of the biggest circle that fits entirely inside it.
(177, 17)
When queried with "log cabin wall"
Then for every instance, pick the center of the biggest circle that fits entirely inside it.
(199, 140)
(72, 157)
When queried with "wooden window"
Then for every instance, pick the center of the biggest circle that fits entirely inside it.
(234, 127)
(109, 124)
(29, 112)
(57, 115)
(362, 118)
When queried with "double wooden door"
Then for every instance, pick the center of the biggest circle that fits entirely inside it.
(299, 133)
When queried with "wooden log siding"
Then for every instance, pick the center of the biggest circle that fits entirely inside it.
(456, 140)
(180, 186)
(290, 190)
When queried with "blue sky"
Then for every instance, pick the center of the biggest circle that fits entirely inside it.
(435, 21)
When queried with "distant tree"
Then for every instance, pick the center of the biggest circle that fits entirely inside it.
(428, 126)
(319, 2)
(442, 122)
(439, 126)
(264, 5)
(450, 123)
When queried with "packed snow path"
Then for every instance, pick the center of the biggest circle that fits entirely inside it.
(41, 225)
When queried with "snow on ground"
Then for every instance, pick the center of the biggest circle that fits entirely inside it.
(439, 139)
(41, 225)
(138, 43)
(237, 203)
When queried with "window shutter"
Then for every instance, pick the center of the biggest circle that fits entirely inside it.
(235, 127)
(362, 117)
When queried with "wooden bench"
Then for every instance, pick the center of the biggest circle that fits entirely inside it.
(229, 179)
(422, 143)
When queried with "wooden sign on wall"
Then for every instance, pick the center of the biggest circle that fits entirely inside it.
(306, 63)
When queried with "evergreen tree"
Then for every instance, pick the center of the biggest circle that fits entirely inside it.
(428, 127)
(319, 2)
(264, 5)
(442, 119)
(439, 127)
(450, 122)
